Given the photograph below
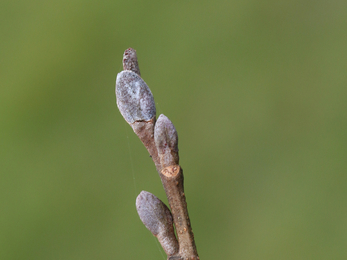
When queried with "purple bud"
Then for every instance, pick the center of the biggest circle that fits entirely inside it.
(134, 98)
(165, 135)
(157, 218)
(166, 141)
(130, 61)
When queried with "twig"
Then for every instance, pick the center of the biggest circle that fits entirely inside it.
(136, 104)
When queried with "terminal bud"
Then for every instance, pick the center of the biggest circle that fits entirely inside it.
(130, 61)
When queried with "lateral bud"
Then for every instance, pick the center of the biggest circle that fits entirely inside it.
(166, 141)
(134, 98)
(130, 61)
(157, 218)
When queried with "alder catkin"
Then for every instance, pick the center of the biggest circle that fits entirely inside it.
(134, 98)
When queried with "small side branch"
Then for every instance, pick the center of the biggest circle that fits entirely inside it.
(136, 104)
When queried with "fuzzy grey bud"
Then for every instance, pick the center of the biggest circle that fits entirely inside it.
(130, 61)
(166, 141)
(134, 98)
(157, 218)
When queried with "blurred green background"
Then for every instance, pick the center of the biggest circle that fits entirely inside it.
(258, 94)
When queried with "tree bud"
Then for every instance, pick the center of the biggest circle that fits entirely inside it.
(166, 141)
(134, 98)
(130, 61)
(157, 218)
